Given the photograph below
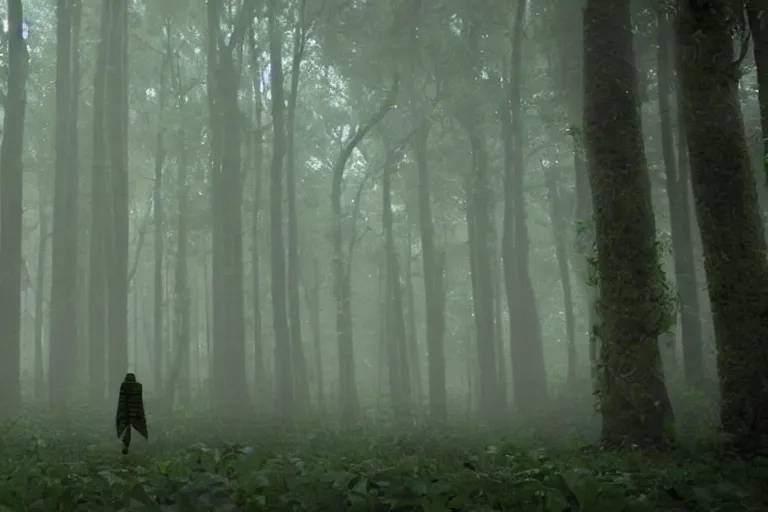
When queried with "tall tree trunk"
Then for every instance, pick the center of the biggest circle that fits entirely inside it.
(258, 181)
(728, 213)
(756, 11)
(498, 324)
(118, 237)
(557, 216)
(526, 346)
(63, 324)
(11, 187)
(350, 403)
(312, 299)
(399, 371)
(285, 393)
(434, 287)
(413, 339)
(42, 250)
(97, 287)
(181, 361)
(478, 220)
(157, 210)
(301, 384)
(633, 397)
(229, 381)
(570, 79)
(680, 221)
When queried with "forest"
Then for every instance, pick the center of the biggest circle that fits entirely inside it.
(404, 255)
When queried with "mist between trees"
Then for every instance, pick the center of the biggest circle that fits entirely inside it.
(400, 211)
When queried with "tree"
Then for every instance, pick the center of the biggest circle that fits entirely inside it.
(229, 382)
(284, 392)
(97, 288)
(727, 209)
(633, 397)
(677, 180)
(528, 371)
(300, 38)
(63, 323)
(11, 187)
(117, 235)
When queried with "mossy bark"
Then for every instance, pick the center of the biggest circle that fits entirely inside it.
(727, 208)
(632, 307)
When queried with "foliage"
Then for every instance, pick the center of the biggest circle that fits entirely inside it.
(55, 465)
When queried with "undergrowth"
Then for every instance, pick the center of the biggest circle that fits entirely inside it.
(195, 464)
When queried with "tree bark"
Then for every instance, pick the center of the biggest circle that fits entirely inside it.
(727, 208)
(63, 324)
(633, 396)
(680, 221)
(529, 376)
(285, 395)
(301, 384)
(434, 287)
(97, 287)
(557, 215)
(118, 239)
(11, 212)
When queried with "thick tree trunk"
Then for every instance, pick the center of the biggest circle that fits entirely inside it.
(728, 213)
(633, 397)
(11, 187)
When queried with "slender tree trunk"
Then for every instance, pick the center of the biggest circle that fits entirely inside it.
(756, 11)
(350, 403)
(97, 288)
(561, 252)
(118, 241)
(633, 397)
(301, 384)
(63, 324)
(398, 364)
(42, 250)
(258, 179)
(312, 299)
(157, 209)
(285, 393)
(679, 207)
(434, 287)
(413, 339)
(11, 187)
(526, 345)
(498, 326)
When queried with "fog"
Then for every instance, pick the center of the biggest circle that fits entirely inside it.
(382, 255)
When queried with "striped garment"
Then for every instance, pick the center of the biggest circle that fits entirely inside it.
(130, 411)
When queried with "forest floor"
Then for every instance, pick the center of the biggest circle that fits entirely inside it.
(190, 465)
